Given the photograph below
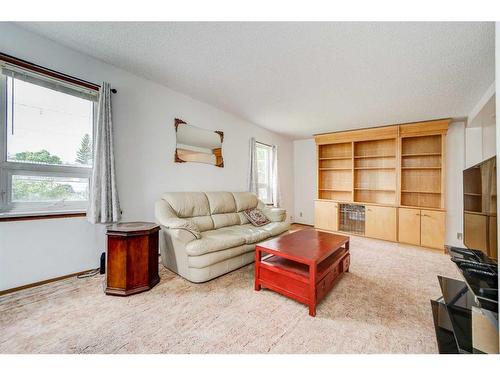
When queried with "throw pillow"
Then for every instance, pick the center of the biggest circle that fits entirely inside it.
(256, 217)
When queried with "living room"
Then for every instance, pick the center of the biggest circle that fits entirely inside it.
(314, 209)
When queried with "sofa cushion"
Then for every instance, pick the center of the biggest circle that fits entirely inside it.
(245, 200)
(225, 220)
(221, 202)
(206, 260)
(199, 275)
(188, 204)
(256, 217)
(250, 233)
(214, 240)
(276, 228)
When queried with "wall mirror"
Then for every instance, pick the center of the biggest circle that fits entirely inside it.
(198, 145)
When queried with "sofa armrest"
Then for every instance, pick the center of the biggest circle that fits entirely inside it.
(181, 235)
(274, 214)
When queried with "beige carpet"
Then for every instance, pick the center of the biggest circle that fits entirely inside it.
(381, 306)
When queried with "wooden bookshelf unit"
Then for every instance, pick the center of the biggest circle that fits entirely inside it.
(385, 169)
(480, 207)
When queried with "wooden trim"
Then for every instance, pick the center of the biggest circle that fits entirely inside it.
(370, 134)
(48, 72)
(177, 122)
(38, 283)
(411, 129)
(318, 164)
(221, 135)
(399, 151)
(424, 128)
(177, 159)
(449, 119)
(42, 217)
(443, 171)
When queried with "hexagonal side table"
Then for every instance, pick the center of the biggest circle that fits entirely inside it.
(132, 258)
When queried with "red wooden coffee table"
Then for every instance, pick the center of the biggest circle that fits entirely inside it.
(303, 265)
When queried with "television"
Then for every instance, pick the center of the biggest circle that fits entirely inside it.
(480, 207)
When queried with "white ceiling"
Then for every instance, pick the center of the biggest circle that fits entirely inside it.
(302, 78)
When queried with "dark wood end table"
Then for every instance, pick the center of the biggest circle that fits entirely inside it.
(132, 258)
(303, 265)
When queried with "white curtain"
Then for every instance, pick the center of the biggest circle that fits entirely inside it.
(104, 205)
(274, 178)
(253, 173)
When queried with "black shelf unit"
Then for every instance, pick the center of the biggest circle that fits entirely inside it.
(453, 311)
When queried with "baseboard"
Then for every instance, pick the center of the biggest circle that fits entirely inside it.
(306, 225)
(38, 283)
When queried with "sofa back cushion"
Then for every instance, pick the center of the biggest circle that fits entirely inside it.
(221, 202)
(245, 200)
(211, 210)
(193, 206)
(226, 220)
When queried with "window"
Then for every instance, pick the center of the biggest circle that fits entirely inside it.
(264, 164)
(46, 132)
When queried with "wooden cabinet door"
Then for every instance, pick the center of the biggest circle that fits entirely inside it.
(409, 226)
(432, 229)
(476, 231)
(380, 222)
(326, 215)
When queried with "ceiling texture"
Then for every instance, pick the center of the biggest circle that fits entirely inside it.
(297, 78)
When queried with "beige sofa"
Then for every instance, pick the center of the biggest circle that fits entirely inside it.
(227, 238)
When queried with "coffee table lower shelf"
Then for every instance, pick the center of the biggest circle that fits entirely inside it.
(305, 283)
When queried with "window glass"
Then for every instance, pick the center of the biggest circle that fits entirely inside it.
(45, 126)
(46, 153)
(49, 189)
(264, 157)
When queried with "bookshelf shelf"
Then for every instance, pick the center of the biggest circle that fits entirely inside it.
(335, 169)
(421, 168)
(373, 156)
(413, 155)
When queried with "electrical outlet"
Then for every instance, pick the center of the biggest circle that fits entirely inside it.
(291, 219)
(300, 214)
(459, 236)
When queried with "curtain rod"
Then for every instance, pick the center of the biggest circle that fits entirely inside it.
(49, 72)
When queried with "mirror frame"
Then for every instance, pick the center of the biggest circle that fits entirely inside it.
(177, 159)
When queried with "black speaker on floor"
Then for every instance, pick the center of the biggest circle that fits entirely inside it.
(102, 269)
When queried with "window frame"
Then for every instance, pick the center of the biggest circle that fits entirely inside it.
(8, 208)
(268, 185)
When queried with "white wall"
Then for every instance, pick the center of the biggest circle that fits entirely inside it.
(305, 181)
(143, 114)
(455, 164)
(473, 146)
(44, 249)
(489, 140)
(481, 130)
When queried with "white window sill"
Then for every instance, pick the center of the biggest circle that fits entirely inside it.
(17, 216)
